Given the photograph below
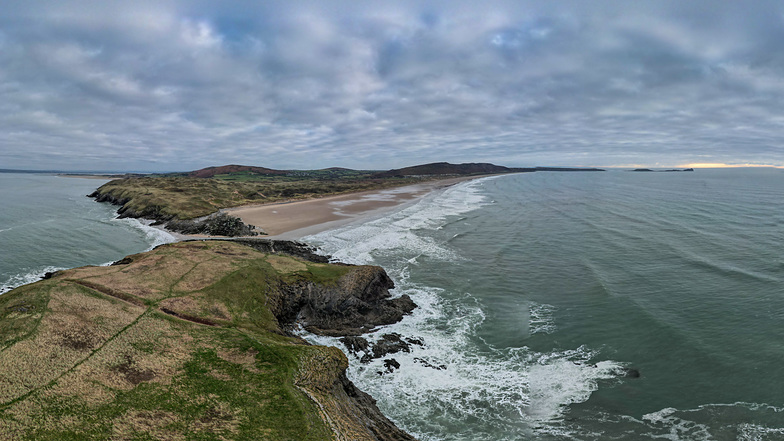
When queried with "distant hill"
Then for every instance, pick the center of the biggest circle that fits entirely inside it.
(471, 168)
(445, 168)
(432, 169)
(227, 169)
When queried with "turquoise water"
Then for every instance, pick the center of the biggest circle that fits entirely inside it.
(47, 223)
(539, 291)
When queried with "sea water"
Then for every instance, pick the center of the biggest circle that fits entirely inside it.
(584, 306)
(537, 293)
(47, 223)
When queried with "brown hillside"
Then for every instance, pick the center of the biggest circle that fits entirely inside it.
(226, 169)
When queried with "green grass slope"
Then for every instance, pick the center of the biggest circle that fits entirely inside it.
(177, 343)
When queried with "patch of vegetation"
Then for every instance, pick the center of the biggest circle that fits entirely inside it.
(20, 312)
(80, 362)
(323, 274)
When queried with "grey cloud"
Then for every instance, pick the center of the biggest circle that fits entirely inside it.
(181, 85)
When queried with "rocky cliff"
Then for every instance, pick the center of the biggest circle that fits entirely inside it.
(192, 341)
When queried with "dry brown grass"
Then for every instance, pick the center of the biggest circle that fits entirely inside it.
(197, 306)
(97, 366)
(76, 324)
(246, 359)
(285, 264)
(154, 423)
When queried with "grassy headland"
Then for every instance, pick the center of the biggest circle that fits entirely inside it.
(188, 342)
(202, 192)
(185, 197)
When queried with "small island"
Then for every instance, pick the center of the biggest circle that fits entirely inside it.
(670, 170)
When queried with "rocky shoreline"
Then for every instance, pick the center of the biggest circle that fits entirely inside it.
(357, 304)
(215, 224)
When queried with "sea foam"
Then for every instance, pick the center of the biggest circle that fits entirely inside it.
(456, 386)
(155, 236)
(24, 278)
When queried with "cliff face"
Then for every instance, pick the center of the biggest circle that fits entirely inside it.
(191, 340)
(357, 303)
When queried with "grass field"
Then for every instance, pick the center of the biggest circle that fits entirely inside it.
(178, 344)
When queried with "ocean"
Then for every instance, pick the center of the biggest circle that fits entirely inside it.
(552, 306)
(584, 306)
(47, 223)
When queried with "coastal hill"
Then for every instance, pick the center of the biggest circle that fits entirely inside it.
(445, 168)
(210, 172)
(472, 168)
(192, 341)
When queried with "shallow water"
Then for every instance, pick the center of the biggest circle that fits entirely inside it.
(47, 223)
(536, 291)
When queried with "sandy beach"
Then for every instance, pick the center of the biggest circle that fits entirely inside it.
(294, 220)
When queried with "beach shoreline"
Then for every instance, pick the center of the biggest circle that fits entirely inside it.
(298, 219)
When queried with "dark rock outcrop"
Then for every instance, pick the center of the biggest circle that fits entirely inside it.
(390, 344)
(288, 247)
(217, 224)
(425, 363)
(124, 261)
(390, 364)
(152, 212)
(220, 224)
(379, 425)
(357, 303)
(355, 344)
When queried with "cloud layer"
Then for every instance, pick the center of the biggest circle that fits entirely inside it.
(183, 85)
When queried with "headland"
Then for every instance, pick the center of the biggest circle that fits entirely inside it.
(192, 340)
(272, 201)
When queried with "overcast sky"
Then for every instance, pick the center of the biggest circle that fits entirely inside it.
(164, 86)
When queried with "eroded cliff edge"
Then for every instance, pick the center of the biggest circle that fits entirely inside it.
(192, 340)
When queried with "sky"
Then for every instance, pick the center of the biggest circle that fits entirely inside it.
(180, 85)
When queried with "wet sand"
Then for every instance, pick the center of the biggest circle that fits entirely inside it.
(294, 220)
